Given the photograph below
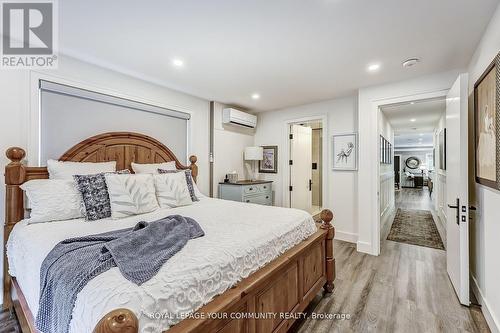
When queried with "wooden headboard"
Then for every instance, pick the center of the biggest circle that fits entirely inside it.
(122, 147)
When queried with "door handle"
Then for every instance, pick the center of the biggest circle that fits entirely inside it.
(457, 207)
(310, 184)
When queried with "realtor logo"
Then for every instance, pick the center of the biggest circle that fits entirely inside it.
(29, 34)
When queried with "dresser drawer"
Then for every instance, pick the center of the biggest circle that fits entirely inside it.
(257, 189)
(260, 193)
(262, 199)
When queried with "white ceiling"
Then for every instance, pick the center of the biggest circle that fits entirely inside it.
(426, 115)
(289, 51)
(413, 140)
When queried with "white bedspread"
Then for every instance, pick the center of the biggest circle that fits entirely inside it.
(240, 238)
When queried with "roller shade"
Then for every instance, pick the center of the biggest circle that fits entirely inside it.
(69, 115)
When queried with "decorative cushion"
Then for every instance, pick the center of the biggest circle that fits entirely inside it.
(131, 194)
(94, 194)
(52, 200)
(152, 168)
(189, 181)
(66, 170)
(172, 190)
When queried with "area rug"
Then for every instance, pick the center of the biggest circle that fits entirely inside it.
(416, 227)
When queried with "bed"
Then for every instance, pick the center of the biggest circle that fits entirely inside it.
(253, 259)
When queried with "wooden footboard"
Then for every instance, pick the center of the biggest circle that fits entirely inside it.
(282, 290)
(283, 287)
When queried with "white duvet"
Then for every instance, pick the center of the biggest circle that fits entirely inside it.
(239, 239)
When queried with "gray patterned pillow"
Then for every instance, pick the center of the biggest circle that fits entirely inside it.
(95, 197)
(189, 181)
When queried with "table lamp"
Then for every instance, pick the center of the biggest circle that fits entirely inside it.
(254, 154)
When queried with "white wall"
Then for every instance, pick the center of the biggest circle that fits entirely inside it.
(439, 179)
(342, 185)
(229, 143)
(369, 99)
(386, 175)
(485, 228)
(16, 91)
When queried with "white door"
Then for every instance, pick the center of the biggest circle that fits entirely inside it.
(301, 167)
(457, 190)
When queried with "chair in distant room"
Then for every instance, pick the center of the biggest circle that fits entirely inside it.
(409, 179)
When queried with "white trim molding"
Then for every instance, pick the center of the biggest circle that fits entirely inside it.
(493, 323)
(286, 154)
(346, 236)
(369, 103)
(364, 247)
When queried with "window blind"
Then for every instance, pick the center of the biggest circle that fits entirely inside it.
(69, 115)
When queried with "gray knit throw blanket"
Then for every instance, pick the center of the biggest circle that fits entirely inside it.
(139, 253)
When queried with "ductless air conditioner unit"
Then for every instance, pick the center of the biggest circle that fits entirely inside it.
(237, 117)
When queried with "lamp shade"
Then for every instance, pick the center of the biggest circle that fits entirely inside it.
(254, 153)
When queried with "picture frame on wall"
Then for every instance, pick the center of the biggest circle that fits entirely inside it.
(386, 151)
(345, 151)
(381, 144)
(386, 159)
(390, 153)
(487, 125)
(442, 149)
(269, 162)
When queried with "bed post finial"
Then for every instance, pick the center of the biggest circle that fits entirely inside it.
(193, 166)
(326, 218)
(15, 175)
(118, 321)
(15, 154)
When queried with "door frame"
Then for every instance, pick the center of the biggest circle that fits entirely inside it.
(285, 166)
(399, 155)
(375, 170)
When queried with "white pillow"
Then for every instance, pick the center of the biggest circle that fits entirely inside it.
(197, 191)
(53, 200)
(131, 194)
(153, 168)
(172, 190)
(66, 170)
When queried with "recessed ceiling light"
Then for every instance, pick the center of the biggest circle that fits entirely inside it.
(255, 96)
(373, 67)
(410, 62)
(177, 62)
(413, 120)
(412, 103)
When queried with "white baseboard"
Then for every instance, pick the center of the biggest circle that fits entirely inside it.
(493, 322)
(346, 236)
(364, 247)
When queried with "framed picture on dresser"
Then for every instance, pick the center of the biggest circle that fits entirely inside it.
(487, 125)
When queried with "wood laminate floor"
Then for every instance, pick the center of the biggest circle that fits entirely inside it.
(405, 289)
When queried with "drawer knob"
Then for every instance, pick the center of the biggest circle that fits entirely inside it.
(250, 188)
(248, 200)
(267, 197)
(265, 186)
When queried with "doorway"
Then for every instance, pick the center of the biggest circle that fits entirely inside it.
(397, 172)
(306, 165)
(414, 219)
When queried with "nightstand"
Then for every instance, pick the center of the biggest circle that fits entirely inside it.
(258, 192)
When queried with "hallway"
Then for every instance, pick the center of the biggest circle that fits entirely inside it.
(413, 198)
(404, 289)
